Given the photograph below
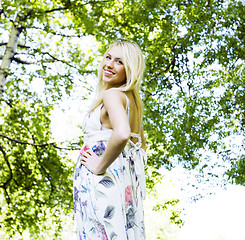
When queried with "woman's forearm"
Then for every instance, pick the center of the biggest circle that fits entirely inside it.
(115, 146)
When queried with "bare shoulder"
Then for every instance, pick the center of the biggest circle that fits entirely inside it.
(114, 95)
(113, 92)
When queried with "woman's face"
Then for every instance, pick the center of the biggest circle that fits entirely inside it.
(114, 73)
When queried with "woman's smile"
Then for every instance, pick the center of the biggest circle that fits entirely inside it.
(108, 72)
(113, 68)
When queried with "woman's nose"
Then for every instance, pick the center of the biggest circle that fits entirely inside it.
(109, 63)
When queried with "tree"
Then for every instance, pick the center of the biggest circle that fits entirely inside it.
(195, 65)
(193, 88)
(36, 175)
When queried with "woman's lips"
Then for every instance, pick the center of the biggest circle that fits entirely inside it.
(108, 73)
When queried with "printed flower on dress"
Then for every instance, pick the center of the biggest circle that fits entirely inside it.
(124, 154)
(107, 182)
(75, 198)
(85, 148)
(85, 203)
(100, 228)
(130, 218)
(128, 195)
(83, 211)
(132, 165)
(119, 171)
(109, 212)
(84, 236)
(77, 171)
(99, 148)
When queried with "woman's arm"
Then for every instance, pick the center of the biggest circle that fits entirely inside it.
(114, 104)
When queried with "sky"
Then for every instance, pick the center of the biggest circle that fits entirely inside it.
(217, 217)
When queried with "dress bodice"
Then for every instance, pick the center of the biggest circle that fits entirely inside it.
(92, 126)
(91, 122)
(95, 132)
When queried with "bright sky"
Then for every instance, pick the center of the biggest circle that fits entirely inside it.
(217, 217)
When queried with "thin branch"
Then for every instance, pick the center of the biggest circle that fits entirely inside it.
(56, 59)
(19, 45)
(43, 168)
(38, 145)
(61, 34)
(8, 102)
(2, 12)
(23, 46)
(18, 60)
(3, 185)
(69, 36)
(53, 59)
(56, 9)
(42, 12)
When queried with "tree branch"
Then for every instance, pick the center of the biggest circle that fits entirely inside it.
(56, 59)
(38, 145)
(53, 59)
(18, 60)
(23, 46)
(43, 168)
(19, 45)
(3, 185)
(61, 34)
(56, 9)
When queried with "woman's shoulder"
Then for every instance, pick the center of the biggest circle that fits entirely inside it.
(113, 94)
(113, 91)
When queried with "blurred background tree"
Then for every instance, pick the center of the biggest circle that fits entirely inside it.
(193, 93)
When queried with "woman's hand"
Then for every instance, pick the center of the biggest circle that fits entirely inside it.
(92, 162)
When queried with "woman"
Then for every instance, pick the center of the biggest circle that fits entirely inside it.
(109, 180)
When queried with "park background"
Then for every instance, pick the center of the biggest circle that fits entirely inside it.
(193, 91)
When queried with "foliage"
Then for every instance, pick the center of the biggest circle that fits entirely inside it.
(194, 82)
(193, 89)
(162, 210)
(36, 174)
(175, 218)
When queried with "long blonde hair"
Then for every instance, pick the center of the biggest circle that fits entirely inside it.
(134, 64)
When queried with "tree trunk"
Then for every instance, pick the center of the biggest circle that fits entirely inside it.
(9, 53)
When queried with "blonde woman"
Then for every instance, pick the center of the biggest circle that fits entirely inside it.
(109, 180)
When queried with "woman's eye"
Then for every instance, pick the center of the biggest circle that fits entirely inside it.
(108, 57)
(120, 62)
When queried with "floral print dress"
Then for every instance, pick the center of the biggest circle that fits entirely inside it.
(110, 206)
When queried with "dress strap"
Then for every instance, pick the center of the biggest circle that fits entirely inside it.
(139, 157)
(127, 106)
(136, 135)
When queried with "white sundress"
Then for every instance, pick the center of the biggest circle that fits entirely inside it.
(110, 206)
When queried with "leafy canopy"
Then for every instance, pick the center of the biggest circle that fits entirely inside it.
(193, 90)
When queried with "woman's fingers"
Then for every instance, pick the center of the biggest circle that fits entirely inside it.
(90, 152)
(83, 159)
(87, 153)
